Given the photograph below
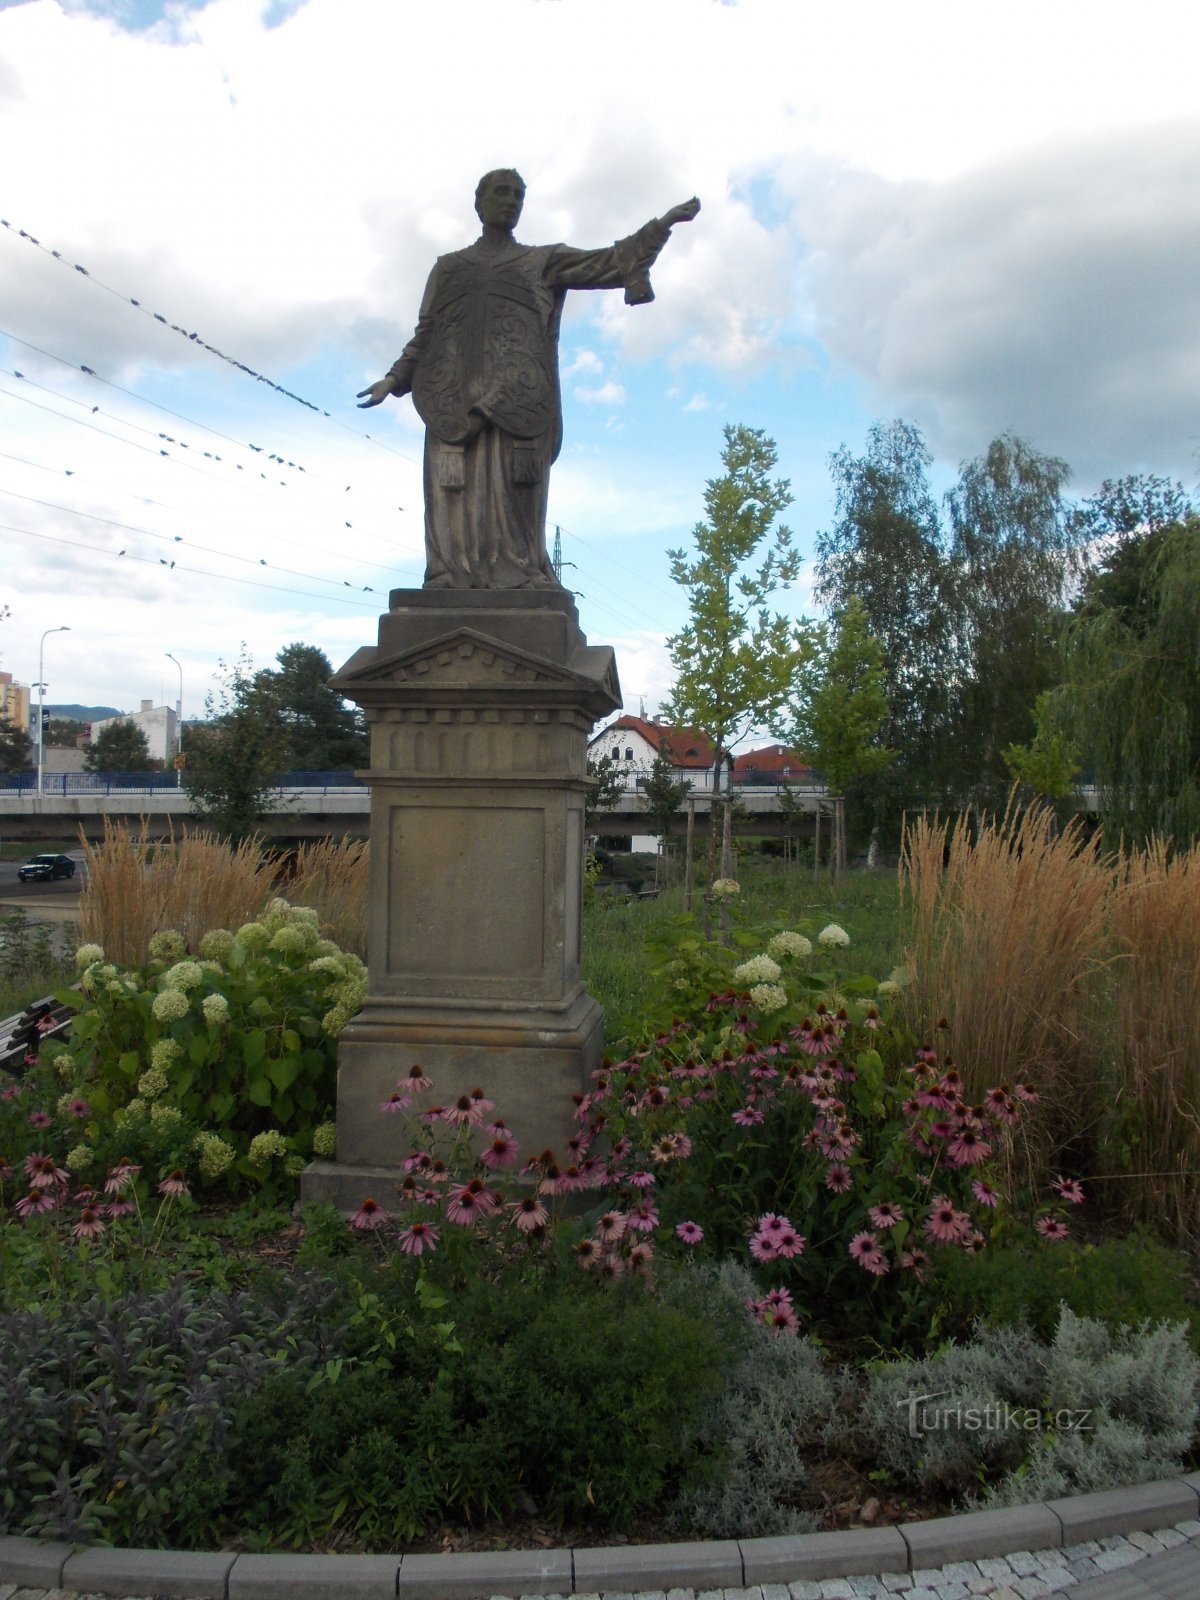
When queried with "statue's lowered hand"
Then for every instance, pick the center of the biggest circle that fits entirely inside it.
(378, 392)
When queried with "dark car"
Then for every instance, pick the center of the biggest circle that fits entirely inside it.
(45, 867)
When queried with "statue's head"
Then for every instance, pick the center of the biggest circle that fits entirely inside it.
(499, 196)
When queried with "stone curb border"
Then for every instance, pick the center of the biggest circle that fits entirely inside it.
(726, 1564)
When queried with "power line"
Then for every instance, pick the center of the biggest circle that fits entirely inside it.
(151, 561)
(188, 511)
(127, 527)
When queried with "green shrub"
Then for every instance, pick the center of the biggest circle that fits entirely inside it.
(1117, 1282)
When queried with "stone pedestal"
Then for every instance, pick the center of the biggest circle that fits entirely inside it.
(479, 704)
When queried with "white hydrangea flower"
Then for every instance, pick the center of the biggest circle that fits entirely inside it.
(325, 1139)
(152, 1083)
(725, 888)
(216, 944)
(253, 935)
(216, 1009)
(170, 1005)
(215, 1155)
(290, 940)
(167, 945)
(165, 1053)
(832, 936)
(794, 945)
(265, 1145)
(87, 954)
(889, 986)
(79, 1159)
(163, 1115)
(759, 969)
(768, 997)
(183, 975)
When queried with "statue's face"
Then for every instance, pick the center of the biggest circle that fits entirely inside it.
(499, 205)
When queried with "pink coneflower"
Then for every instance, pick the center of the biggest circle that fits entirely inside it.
(689, 1232)
(938, 1096)
(396, 1101)
(120, 1206)
(42, 1172)
(748, 1117)
(465, 1112)
(987, 1194)
(864, 1248)
(84, 1197)
(1052, 1228)
(609, 1268)
(1069, 1189)
(469, 1203)
(967, 1148)
(174, 1184)
(782, 1321)
(916, 1262)
(588, 1253)
(38, 1200)
(945, 1224)
(436, 1171)
(90, 1224)
(433, 1114)
(839, 1178)
(369, 1215)
(417, 1238)
(39, 1119)
(643, 1218)
(789, 1243)
(886, 1214)
(776, 1299)
(78, 1108)
(641, 1179)
(610, 1227)
(641, 1256)
(671, 1147)
(502, 1152)
(6, 1171)
(481, 1102)
(120, 1176)
(529, 1214)
(1027, 1093)
(1000, 1105)
(763, 1247)
(10, 1091)
(414, 1081)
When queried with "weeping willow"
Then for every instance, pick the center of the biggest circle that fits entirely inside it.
(1130, 695)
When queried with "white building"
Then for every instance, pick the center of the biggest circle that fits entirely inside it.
(158, 723)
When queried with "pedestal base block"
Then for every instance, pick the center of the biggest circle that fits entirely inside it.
(529, 1064)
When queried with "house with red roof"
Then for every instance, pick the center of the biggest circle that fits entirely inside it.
(773, 764)
(634, 742)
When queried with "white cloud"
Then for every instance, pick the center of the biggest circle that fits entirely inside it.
(604, 394)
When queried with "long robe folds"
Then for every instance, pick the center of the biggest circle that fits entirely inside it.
(486, 348)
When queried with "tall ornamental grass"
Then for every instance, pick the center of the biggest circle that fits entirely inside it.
(136, 887)
(331, 876)
(1052, 960)
(1007, 931)
(1155, 1037)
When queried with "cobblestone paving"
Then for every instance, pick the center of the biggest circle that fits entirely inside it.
(1141, 1566)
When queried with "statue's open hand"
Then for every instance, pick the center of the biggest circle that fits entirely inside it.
(377, 393)
(682, 213)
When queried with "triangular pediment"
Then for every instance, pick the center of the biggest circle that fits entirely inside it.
(459, 659)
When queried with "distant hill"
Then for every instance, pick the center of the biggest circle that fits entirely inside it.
(84, 713)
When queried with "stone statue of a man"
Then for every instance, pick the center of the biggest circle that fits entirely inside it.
(482, 368)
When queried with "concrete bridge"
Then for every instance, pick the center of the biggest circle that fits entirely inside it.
(77, 803)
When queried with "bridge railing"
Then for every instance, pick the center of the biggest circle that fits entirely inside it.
(109, 783)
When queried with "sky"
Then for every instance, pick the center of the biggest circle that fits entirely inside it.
(976, 218)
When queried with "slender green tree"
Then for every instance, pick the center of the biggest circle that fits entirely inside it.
(119, 747)
(734, 661)
(840, 705)
(608, 785)
(232, 760)
(1014, 547)
(664, 795)
(888, 550)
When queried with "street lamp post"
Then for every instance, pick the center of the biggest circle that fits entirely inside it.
(178, 722)
(42, 699)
